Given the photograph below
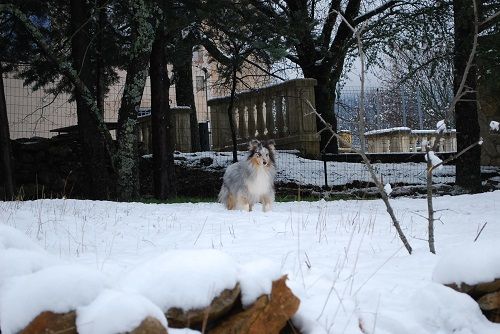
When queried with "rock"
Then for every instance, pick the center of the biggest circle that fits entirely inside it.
(477, 290)
(494, 316)
(206, 161)
(52, 323)
(490, 301)
(220, 306)
(150, 325)
(487, 295)
(265, 316)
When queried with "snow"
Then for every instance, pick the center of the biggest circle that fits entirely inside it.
(16, 262)
(430, 132)
(494, 126)
(58, 289)
(388, 189)
(12, 238)
(388, 130)
(256, 279)
(435, 160)
(343, 260)
(470, 263)
(161, 278)
(116, 312)
(441, 126)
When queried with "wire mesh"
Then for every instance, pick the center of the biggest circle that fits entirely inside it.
(36, 114)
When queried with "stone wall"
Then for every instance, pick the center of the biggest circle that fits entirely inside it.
(46, 168)
(51, 168)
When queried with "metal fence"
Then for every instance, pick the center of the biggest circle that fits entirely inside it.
(387, 108)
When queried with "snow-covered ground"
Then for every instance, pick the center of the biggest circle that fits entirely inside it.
(343, 258)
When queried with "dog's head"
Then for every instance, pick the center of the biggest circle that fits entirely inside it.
(262, 153)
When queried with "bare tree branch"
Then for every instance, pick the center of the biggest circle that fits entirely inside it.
(376, 11)
(431, 166)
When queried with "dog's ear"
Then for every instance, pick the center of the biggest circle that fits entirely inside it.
(253, 145)
(270, 145)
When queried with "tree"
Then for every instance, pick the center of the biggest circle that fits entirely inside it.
(103, 163)
(161, 120)
(127, 156)
(182, 61)
(96, 159)
(468, 170)
(237, 39)
(5, 147)
(182, 16)
(319, 42)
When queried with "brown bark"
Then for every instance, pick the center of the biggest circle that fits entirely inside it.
(162, 137)
(5, 146)
(100, 85)
(184, 93)
(127, 156)
(468, 169)
(96, 158)
(230, 114)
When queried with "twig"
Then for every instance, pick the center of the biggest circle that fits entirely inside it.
(462, 90)
(201, 231)
(481, 230)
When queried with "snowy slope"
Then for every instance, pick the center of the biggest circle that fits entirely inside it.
(343, 258)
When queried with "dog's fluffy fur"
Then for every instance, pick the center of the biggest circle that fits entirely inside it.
(252, 180)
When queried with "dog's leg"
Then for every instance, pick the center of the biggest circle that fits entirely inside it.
(246, 204)
(230, 204)
(242, 203)
(266, 203)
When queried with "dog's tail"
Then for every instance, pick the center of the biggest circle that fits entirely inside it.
(226, 198)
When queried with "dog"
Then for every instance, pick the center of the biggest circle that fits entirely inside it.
(251, 180)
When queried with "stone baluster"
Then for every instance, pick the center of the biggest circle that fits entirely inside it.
(243, 121)
(280, 121)
(292, 102)
(261, 126)
(252, 127)
(269, 117)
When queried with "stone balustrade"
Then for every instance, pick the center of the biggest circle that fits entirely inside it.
(278, 112)
(403, 139)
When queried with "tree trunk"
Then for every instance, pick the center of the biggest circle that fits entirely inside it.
(468, 168)
(230, 115)
(100, 85)
(5, 147)
(183, 62)
(324, 94)
(95, 159)
(162, 136)
(127, 157)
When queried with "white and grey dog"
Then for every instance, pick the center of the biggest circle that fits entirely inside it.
(251, 180)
